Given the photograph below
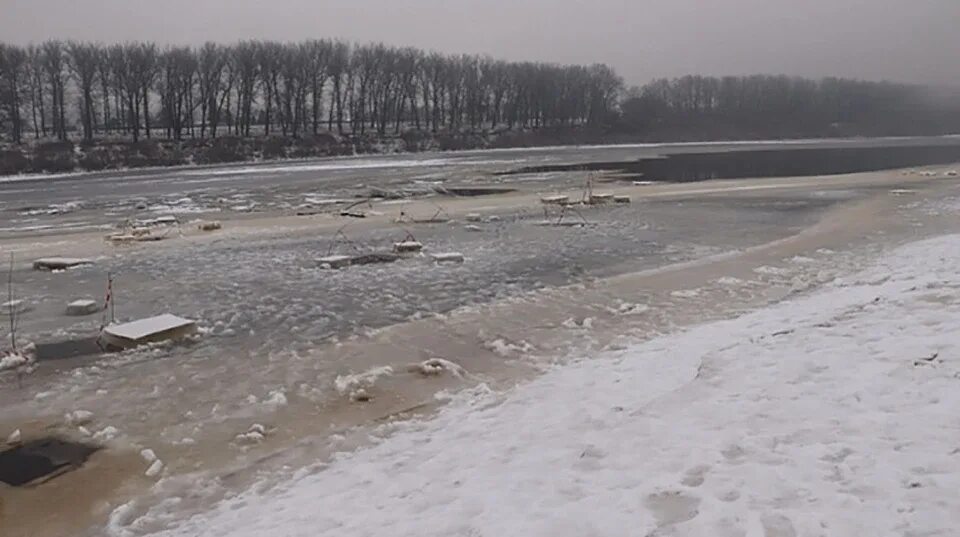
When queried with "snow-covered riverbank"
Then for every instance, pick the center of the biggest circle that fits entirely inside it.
(831, 414)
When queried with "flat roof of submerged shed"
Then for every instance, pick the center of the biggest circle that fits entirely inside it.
(147, 327)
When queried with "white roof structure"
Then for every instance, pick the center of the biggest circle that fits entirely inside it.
(143, 328)
(83, 307)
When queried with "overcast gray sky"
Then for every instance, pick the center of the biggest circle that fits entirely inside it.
(912, 40)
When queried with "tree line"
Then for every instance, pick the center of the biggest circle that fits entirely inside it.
(789, 106)
(262, 88)
(139, 90)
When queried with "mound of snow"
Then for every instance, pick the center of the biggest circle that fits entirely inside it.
(154, 469)
(351, 384)
(14, 360)
(508, 349)
(79, 417)
(437, 366)
(276, 399)
(254, 435)
(106, 434)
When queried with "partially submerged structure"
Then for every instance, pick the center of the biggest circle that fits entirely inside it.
(555, 200)
(335, 261)
(164, 327)
(343, 261)
(60, 263)
(37, 461)
(407, 247)
(212, 225)
(599, 198)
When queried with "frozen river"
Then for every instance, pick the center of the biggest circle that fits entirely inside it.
(285, 342)
(32, 205)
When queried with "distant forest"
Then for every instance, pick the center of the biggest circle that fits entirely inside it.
(71, 91)
(264, 88)
(779, 106)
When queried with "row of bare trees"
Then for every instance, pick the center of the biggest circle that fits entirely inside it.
(291, 89)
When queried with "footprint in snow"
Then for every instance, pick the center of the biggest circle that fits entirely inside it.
(695, 476)
(672, 507)
(777, 525)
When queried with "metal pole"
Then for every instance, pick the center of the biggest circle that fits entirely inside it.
(113, 316)
(13, 307)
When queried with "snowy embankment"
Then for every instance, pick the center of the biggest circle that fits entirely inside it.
(832, 414)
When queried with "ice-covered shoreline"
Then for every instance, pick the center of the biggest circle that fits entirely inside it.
(831, 414)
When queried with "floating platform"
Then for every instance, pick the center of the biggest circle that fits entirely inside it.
(343, 261)
(79, 308)
(164, 327)
(407, 247)
(473, 191)
(137, 236)
(374, 258)
(60, 263)
(447, 257)
(599, 199)
(555, 200)
(168, 220)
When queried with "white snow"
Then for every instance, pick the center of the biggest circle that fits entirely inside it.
(154, 469)
(626, 308)
(254, 435)
(508, 349)
(350, 384)
(13, 361)
(771, 271)
(586, 323)
(686, 293)
(148, 455)
(437, 366)
(276, 399)
(106, 434)
(14, 307)
(79, 417)
(830, 414)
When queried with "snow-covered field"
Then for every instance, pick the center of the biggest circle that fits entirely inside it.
(834, 414)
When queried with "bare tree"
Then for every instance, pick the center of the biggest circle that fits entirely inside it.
(13, 78)
(84, 59)
(271, 57)
(53, 64)
(340, 71)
